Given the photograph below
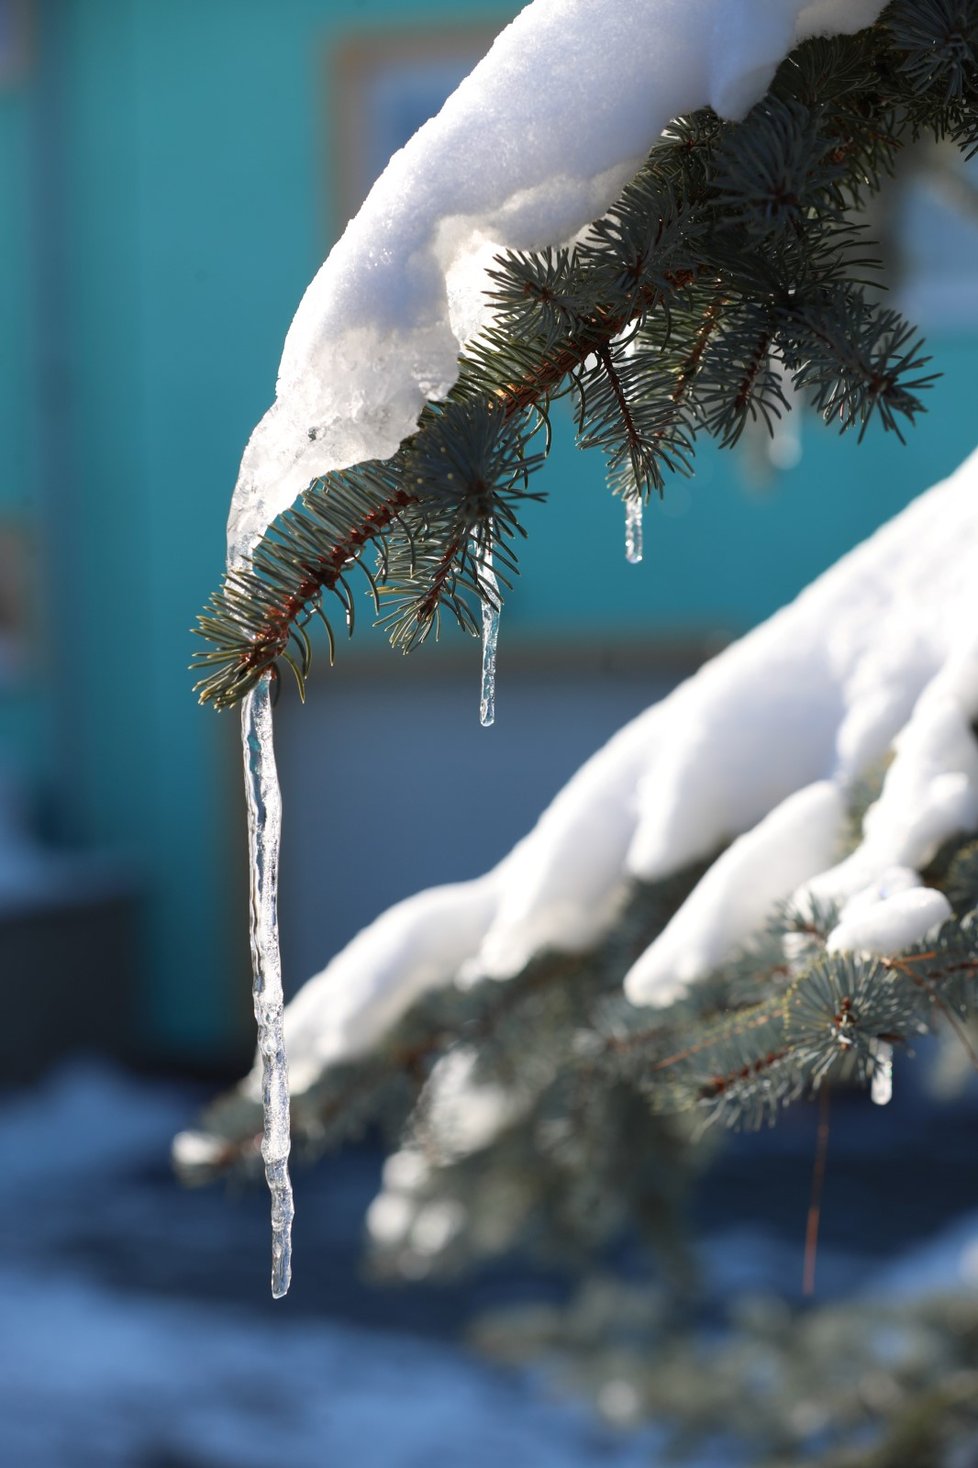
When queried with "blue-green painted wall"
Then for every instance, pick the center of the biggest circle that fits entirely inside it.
(720, 555)
(166, 169)
(22, 724)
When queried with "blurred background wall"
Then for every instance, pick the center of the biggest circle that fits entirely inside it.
(172, 172)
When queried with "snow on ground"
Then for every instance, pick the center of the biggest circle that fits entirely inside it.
(761, 747)
(136, 1332)
(533, 145)
(104, 1366)
(99, 1380)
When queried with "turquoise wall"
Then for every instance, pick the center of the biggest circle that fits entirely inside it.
(167, 177)
(720, 554)
(167, 171)
(22, 722)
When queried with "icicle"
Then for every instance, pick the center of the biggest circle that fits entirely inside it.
(881, 1089)
(490, 637)
(264, 835)
(633, 530)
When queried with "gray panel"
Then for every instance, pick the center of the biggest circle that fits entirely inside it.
(391, 785)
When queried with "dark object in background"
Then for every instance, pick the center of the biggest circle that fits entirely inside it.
(68, 963)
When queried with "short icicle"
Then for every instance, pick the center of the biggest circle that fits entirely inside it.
(633, 530)
(881, 1086)
(490, 637)
(264, 837)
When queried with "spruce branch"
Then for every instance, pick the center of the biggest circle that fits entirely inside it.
(264, 606)
(939, 39)
(730, 260)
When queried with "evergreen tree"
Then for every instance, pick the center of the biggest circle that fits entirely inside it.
(548, 1112)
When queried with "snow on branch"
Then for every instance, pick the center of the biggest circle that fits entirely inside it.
(531, 147)
(763, 748)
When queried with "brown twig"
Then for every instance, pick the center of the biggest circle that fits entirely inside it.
(818, 1183)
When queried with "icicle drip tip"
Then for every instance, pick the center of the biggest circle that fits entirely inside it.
(264, 837)
(881, 1086)
(490, 637)
(633, 531)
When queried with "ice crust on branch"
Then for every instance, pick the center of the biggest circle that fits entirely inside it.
(535, 143)
(762, 748)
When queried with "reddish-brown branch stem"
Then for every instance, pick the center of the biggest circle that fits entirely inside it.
(818, 1183)
(429, 602)
(749, 378)
(624, 407)
(592, 339)
(717, 1085)
(274, 636)
(691, 366)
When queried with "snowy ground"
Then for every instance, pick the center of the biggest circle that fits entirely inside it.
(136, 1327)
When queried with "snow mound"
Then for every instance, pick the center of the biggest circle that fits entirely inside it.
(892, 913)
(417, 945)
(761, 748)
(507, 163)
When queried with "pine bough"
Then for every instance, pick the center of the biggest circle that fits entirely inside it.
(731, 264)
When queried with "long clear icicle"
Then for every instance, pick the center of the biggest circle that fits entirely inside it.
(633, 530)
(264, 838)
(490, 637)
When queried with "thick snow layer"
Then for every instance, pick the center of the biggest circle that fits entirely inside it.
(760, 748)
(891, 923)
(795, 842)
(415, 946)
(534, 144)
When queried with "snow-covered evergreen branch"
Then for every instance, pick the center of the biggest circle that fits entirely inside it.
(729, 259)
(485, 1023)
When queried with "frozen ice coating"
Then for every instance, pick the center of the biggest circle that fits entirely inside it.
(508, 162)
(264, 840)
(762, 744)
